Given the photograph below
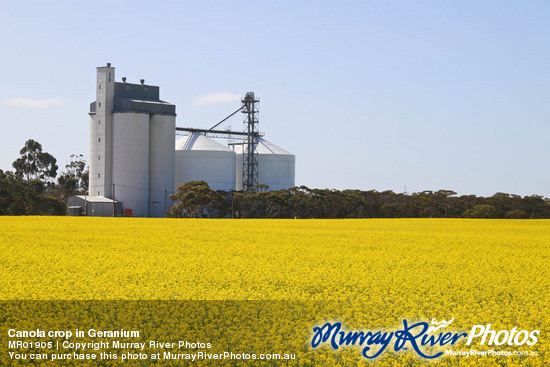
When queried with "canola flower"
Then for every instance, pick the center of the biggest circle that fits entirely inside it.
(289, 274)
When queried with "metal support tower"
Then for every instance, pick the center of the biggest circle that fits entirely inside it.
(251, 128)
(247, 138)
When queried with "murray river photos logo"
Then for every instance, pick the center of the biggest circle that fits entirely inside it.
(418, 336)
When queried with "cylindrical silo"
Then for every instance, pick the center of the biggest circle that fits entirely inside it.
(199, 158)
(161, 163)
(238, 149)
(95, 184)
(276, 166)
(131, 161)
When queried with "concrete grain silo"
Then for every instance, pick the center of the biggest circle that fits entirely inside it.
(131, 161)
(131, 145)
(136, 164)
(275, 165)
(162, 161)
(199, 158)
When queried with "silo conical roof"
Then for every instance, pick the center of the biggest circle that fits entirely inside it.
(265, 147)
(201, 158)
(197, 141)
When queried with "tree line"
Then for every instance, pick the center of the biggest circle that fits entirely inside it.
(35, 188)
(197, 200)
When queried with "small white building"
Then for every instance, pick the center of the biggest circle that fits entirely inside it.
(93, 206)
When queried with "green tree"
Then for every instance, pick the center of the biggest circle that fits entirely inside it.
(20, 197)
(34, 164)
(536, 206)
(481, 211)
(195, 199)
(74, 180)
(516, 214)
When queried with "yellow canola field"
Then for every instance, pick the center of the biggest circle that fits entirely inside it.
(372, 273)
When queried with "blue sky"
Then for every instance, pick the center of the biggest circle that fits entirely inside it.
(370, 95)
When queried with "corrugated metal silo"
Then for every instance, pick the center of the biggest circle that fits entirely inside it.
(276, 166)
(201, 158)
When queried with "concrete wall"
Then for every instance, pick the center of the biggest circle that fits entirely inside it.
(101, 134)
(161, 163)
(137, 91)
(131, 161)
